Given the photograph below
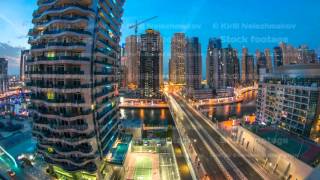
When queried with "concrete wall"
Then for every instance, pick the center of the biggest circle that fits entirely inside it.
(274, 159)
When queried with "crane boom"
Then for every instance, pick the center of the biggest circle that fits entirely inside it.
(137, 24)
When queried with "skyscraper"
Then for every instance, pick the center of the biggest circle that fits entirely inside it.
(261, 63)
(150, 64)
(123, 70)
(193, 65)
(133, 60)
(244, 65)
(269, 66)
(231, 61)
(72, 74)
(306, 55)
(290, 98)
(4, 82)
(25, 55)
(222, 65)
(277, 57)
(177, 61)
(247, 67)
(215, 68)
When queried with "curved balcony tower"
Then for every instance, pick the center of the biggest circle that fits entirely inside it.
(71, 72)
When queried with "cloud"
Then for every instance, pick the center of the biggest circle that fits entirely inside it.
(12, 54)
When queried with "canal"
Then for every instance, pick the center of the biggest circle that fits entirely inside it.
(153, 123)
(236, 110)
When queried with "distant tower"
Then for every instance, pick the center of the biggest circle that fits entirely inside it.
(268, 60)
(133, 59)
(4, 82)
(244, 65)
(277, 57)
(193, 64)
(177, 61)
(25, 55)
(214, 65)
(150, 64)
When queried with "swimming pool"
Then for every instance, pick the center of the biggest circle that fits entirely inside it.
(18, 144)
(119, 154)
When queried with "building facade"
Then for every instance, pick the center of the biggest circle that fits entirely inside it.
(286, 54)
(193, 65)
(72, 74)
(222, 65)
(261, 64)
(290, 97)
(269, 66)
(150, 64)
(248, 70)
(277, 57)
(133, 60)
(177, 61)
(4, 80)
(25, 55)
(214, 63)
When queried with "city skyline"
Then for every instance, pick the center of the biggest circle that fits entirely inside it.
(159, 90)
(235, 26)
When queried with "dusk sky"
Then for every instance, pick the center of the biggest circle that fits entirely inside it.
(256, 24)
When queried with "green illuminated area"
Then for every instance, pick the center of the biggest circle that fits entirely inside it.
(143, 169)
(50, 95)
(64, 175)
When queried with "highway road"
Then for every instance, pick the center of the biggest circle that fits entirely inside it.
(218, 153)
(212, 168)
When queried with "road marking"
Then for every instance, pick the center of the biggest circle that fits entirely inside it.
(222, 168)
(225, 156)
(258, 171)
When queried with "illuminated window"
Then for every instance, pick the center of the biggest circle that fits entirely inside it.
(50, 95)
(51, 55)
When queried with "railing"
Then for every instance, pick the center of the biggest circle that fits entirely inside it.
(58, 100)
(57, 58)
(62, 114)
(35, 15)
(55, 86)
(71, 72)
(42, 46)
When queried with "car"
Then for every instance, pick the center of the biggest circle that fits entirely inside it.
(11, 173)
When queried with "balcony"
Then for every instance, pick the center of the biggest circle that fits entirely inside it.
(58, 58)
(67, 72)
(61, 9)
(57, 126)
(106, 52)
(111, 73)
(56, 86)
(58, 44)
(75, 160)
(65, 114)
(90, 167)
(67, 138)
(57, 100)
(60, 31)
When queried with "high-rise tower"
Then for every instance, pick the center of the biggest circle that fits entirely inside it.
(151, 64)
(193, 65)
(133, 59)
(72, 74)
(177, 61)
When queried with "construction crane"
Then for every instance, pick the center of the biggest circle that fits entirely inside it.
(137, 24)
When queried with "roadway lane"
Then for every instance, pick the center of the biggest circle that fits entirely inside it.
(209, 132)
(184, 170)
(208, 162)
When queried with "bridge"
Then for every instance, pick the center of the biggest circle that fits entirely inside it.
(142, 103)
(210, 155)
(239, 96)
(9, 94)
